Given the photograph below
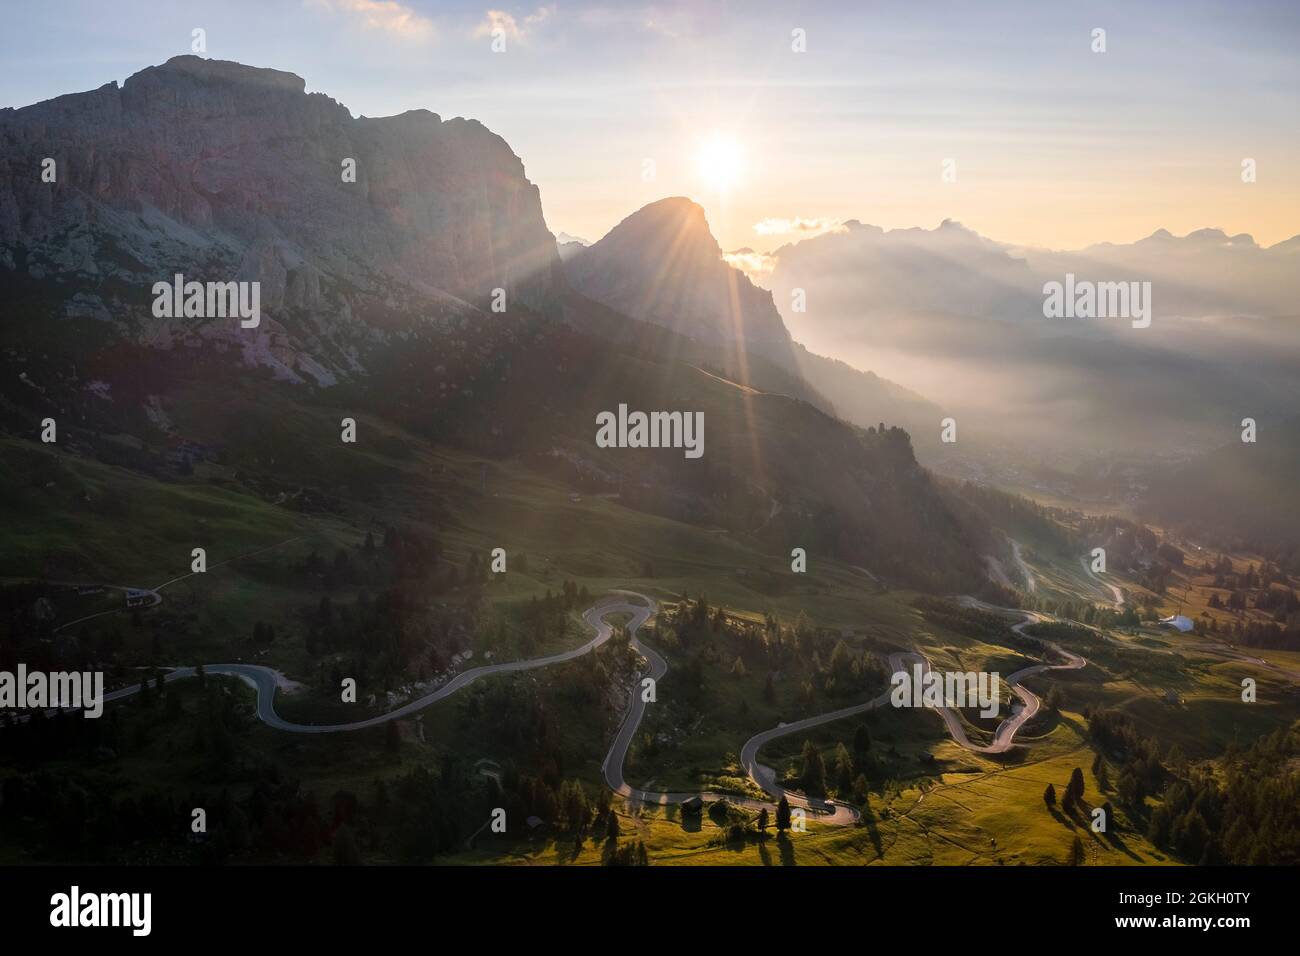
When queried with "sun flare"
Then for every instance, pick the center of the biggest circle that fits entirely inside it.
(720, 162)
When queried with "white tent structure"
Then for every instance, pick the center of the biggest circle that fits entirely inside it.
(1179, 622)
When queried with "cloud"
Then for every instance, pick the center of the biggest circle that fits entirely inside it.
(756, 265)
(798, 226)
(511, 27)
(386, 15)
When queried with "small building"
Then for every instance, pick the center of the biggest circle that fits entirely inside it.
(693, 805)
(136, 598)
(1179, 622)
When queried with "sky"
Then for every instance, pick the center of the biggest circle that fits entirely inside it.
(1045, 142)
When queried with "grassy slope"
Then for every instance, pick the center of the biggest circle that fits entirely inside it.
(945, 813)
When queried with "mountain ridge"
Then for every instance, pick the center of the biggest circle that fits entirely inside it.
(662, 264)
(225, 171)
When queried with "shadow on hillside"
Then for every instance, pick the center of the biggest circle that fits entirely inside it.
(575, 849)
(1075, 725)
(1061, 818)
(873, 832)
(1116, 842)
(786, 846)
(1012, 758)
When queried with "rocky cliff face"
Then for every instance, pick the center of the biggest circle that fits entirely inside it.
(223, 171)
(661, 264)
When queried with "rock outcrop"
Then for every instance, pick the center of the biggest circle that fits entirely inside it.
(229, 172)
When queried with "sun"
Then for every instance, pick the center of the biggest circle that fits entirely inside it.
(720, 162)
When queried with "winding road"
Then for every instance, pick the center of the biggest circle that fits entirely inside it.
(1003, 738)
(265, 681)
(828, 811)
(1030, 583)
(1030, 703)
(1114, 589)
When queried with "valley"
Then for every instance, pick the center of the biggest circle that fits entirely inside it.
(405, 546)
(917, 774)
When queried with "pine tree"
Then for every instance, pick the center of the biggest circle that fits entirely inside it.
(782, 815)
(843, 770)
(1049, 795)
(1159, 827)
(1075, 787)
(862, 740)
(813, 776)
(1191, 837)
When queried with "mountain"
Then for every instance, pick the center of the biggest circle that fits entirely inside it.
(222, 172)
(953, 270)
(378, 296)
(1206, 274)
(949, 269)
(663, 265)
(960, 319)
(865, 398)
(568, 245)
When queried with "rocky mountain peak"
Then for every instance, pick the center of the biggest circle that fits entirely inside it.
(662, 264)
(224, 171)
(226, 71)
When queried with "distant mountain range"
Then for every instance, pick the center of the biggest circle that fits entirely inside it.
(569, 245)
(959, 318)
